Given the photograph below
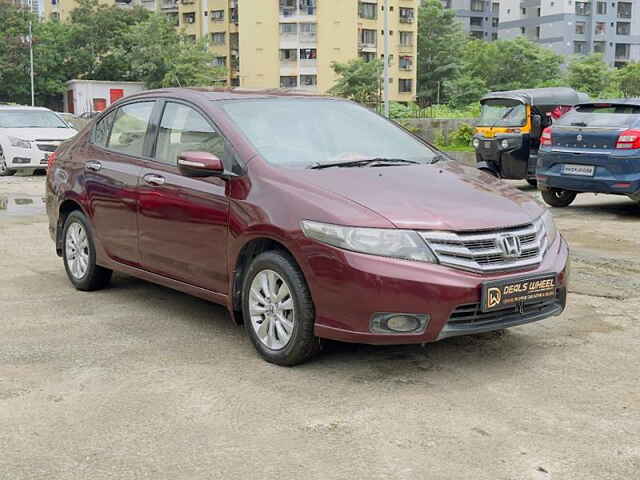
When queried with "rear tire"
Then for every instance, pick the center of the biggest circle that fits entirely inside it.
(557, 197)
(278, 310)
(79, 255)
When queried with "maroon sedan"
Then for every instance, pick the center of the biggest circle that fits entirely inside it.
(307, 217)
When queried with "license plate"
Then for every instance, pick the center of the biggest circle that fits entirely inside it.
(507, 293)
(487, 144)
(584, 170)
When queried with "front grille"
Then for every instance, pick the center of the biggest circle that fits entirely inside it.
(47, 148)
(471, 314)
(480, 251)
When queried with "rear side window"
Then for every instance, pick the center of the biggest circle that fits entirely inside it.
(102, 129)
(130, 128)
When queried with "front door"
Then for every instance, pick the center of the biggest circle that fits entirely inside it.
(183, 222)
(112, 169)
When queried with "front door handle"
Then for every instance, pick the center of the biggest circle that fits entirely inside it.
(154, 179)
(93, 165)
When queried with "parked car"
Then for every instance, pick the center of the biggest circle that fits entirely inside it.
(307, 217)
(593, 148)
(28, 135)
(73, 120)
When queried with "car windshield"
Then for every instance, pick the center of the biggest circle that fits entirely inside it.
(304, 132)
(502, 113)
(601, 115)
(30, 119)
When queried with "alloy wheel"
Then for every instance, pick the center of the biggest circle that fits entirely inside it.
(272, 309)
(77, 250)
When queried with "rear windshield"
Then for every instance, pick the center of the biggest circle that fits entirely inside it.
(601, 115)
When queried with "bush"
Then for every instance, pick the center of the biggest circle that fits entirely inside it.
(463, 135)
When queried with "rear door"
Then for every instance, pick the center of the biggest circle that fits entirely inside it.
(114, 160)
(183, 222)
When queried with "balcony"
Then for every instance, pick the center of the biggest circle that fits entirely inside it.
(406, 20)
(405, 48)
(169, 5)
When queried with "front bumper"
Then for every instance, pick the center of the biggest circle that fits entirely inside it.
(23, 158)
(349, 288)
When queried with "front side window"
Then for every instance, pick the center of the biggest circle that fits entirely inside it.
(130, 128)
(102, 129)
(302, 132)
(19, 118)
(183, 129)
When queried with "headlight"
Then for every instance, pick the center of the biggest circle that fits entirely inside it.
(476, 143)
(505, 143)
(550, 227)
(18, 142)
(404, 244)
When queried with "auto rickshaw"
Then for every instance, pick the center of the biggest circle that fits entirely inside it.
(507, 136)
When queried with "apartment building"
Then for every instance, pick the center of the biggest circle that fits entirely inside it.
(480, 18)
(292, 43)
(570, 27)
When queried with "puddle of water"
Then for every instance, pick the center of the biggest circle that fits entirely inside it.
(22, 205)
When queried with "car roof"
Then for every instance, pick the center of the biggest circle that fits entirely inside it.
(7, 106)
(634, 102)
(541, 97)
(217, 94)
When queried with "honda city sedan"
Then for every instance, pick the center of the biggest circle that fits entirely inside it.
(308, 217)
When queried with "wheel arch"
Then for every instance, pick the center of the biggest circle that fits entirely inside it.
(65, 209)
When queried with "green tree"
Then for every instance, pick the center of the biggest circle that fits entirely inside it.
(358, 80)
(628, 79)
(14, 54)
(590, 74)
(465, 90)
(165, 58)
(440, 44)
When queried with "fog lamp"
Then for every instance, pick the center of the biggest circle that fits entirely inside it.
(476, 143)
(505, 143)
(399, 323)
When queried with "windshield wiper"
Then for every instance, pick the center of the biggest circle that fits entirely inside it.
(439, 158)
(361, 163)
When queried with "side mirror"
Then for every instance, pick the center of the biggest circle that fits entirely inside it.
(200, 164)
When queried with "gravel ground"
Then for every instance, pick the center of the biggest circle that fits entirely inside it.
(138, 381)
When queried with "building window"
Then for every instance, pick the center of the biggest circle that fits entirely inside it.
(55, 16)
(495, 8)
(288, 8)
(189, 17)
(218, 38)
(580, 47)
(623, 28)
(477, 5)
(599, 47)
(406, 15)
(475, 21)
(405, 85)
(217, 15)
(308, 53)
(495, 22)
(622, 51)
(307, 7)
(308, 32)
(288, 29)
(523, 30)
(308, 80)
(368, 10)
(583, 8)
(220, 61)
(601, 8)
(538, 32)
(288, 82)
(406, 39)
(368, 37)
(523, 11)
(406, 63)
(368, 56)
(580, 28)
(288, 55)
(624, 10)
(477, 35)
(601, 28)
(494, 36)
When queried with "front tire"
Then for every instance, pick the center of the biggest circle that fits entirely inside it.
(278, 310)
(79, 255)
(4, 169)
(557, 197)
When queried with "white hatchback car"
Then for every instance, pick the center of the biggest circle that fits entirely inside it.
(28, 135)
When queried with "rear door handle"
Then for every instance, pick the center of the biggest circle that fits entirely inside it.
(154, 179)
(93, 165)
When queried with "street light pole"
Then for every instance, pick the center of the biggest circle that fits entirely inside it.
(386, 58)
(33, 95)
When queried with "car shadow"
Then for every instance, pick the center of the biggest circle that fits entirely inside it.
(623, 208)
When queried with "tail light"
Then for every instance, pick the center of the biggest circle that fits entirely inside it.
(628, 140)
(545, 139)
(51, 159)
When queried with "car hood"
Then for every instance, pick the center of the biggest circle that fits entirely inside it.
(39, 133)
(444, 196)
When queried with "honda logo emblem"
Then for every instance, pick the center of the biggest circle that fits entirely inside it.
(510, 246)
